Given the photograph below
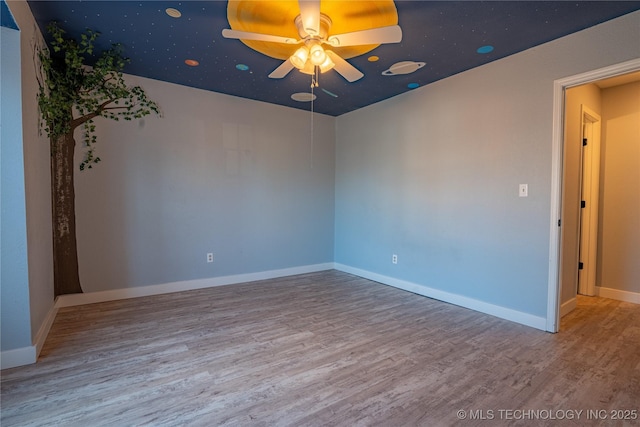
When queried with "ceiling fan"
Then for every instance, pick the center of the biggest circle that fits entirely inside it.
(314, 31)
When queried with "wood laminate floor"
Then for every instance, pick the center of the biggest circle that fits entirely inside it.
(321, 349)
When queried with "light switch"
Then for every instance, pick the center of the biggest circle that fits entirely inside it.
(523, 190)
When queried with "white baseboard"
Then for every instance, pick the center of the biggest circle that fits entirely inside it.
(568, 306)
(617, 294)
(166, 288)
(18, 357)
(28, 355)
(41, 336)
(462, 301)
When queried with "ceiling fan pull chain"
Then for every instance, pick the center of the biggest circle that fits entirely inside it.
(315, 77)
(314, 83)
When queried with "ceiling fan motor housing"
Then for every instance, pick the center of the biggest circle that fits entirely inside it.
(325, 25)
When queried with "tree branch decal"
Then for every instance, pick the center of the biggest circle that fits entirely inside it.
(72, 94)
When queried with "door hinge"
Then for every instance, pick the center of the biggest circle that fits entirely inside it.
(559, 222)
(584, 141)
(580, 266)
(583, 204)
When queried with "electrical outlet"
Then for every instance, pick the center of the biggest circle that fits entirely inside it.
(209, 257)
(394, 258)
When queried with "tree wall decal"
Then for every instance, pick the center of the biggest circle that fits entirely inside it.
(72, 94)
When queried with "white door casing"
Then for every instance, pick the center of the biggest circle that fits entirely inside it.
(559, 87)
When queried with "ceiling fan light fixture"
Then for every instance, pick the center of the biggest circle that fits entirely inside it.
(317, 55)
(308, 68)
(299, 58)
(313, 31)
(327, 65)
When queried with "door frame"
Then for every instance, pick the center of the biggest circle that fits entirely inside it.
(557, 146)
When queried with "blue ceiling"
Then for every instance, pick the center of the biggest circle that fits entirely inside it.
(448, 36)
(6, 19)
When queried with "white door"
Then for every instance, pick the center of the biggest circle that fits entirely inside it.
(590, 190)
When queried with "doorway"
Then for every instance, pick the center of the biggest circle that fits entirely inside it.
(556, 273)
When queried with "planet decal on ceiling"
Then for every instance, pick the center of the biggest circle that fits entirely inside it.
(403, 67)
(303, 97)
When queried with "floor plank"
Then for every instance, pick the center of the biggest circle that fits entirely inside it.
(324, 348)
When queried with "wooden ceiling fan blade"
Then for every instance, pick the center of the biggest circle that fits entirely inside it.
(346, 70)
(310, 14)
(244, 35)
(282, 70)
(381, 35)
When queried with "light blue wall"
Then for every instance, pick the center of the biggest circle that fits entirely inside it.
(436, 186)
(220, 174)
(37, 184)
(433, 175)
(14, 275)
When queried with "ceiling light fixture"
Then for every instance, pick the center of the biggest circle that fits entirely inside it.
(314, 35)
(317, 55)
(311, 58)
(307, 58)
(299, 58)
(326, 65)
